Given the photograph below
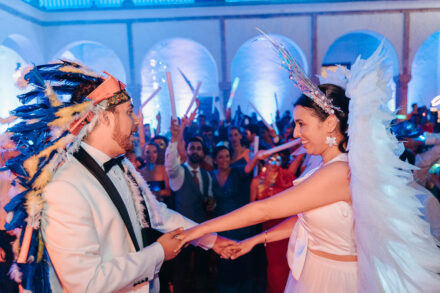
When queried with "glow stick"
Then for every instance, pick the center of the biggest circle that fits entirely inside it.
(24, 250)
(256, 146)
(282, 147)
(299, 151)
(149, 98)
(261, 116)
(172, 100)
(233, 90)
(186, 80)
(276, 101)
(435, 101)
(274, 125)
(195, 94)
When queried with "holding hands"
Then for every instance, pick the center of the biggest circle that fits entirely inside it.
(226, 248)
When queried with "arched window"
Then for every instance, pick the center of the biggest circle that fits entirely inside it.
(96, 56)
(425, 72)
(10, 62)
(257, 65)
(176, 56)
(347, 48)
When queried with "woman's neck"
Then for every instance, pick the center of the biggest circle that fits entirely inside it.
(330, 154)
(223, 170)
(237, 148)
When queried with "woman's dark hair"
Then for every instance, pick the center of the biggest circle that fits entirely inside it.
(153, 144)
(232, 127)
(162, 138)
(217, 150)
(337, 95)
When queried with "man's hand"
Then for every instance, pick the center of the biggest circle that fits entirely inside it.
(170, 243)
(225, 247)
(175, 130)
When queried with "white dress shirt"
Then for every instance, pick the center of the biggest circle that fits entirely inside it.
(176, 173)
(116, 175)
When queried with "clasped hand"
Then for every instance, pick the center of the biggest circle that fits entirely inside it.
(226, 248)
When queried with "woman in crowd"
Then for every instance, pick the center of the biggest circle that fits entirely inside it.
(390, 249)
(272, 180)
(162, 143)
(240, 154)
(155, 175)
(229, 194)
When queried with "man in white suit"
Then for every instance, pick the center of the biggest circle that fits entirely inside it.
(98, 215)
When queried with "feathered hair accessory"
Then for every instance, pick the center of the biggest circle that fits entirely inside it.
(338, 77)
(305, 85)
(57, 113)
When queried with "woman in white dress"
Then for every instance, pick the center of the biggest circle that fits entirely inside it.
(358, 229)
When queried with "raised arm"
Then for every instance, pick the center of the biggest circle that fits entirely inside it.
(328, 185)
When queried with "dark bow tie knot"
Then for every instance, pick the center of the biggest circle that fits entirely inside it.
(113, 162)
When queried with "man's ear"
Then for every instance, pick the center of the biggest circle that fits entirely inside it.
(331, 123)
(104, 118)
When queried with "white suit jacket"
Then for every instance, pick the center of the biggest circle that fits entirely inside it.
(88, 244)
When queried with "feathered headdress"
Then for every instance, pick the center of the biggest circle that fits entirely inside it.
(305, 85)
(59, 110)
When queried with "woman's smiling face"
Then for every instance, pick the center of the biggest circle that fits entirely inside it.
(310, 129)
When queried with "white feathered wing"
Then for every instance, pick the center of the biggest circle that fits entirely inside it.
(396, 251)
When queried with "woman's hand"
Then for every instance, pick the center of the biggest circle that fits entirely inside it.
(244, 247)
(189, 235)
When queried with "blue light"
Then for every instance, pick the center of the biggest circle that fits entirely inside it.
(257, 65)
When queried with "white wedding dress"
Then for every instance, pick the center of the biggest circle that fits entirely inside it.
(328, 229)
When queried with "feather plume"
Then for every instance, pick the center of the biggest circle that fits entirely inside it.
(31, 165)
(15, 274)
(137, 200)
(68, 114)
(85, 130)
(80, 70)
(20, 80)
(150, 200)
(8, 120)
(34, 206)
(53, 99)
(47, 172)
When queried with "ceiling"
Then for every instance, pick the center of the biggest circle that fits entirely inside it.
(57, 5)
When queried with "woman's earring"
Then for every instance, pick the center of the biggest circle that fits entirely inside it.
(331, 141)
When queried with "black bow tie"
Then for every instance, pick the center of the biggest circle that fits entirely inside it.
(112, 162)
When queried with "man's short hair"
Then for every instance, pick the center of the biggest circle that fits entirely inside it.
(252, 128)
(197, 139)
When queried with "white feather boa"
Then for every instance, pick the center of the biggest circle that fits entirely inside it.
(150, 200)
(396, 252)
